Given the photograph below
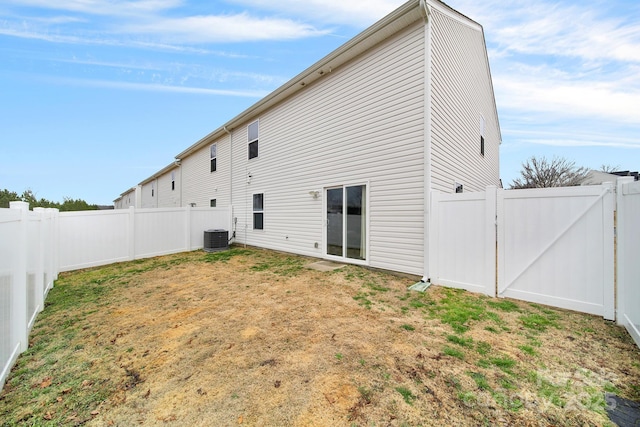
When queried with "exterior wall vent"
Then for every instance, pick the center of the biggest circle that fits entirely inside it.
(216, 240)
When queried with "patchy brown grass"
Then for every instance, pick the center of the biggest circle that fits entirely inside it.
(252, 337)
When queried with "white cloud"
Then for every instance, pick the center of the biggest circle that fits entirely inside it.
(224, 28)
(359, 13)
(156, 87)
(35, 33)
(571, 137)
(595, 100)
(103, 7)
(591, 30)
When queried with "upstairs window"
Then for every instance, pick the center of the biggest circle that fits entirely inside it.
(213, 156)
(458, 187)
(481, 136)
(152, 189)
(212, 203)
(252, 135)
(173, 181)
(258, 211)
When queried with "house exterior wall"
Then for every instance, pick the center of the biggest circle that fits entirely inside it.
(149, 198)
(168, 197)
(461, 93)
(199, 184)
(402, 117)
(597, 177)
(127, 200)
(363, 123)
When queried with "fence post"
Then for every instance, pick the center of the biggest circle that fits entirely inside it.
(131, 235)
(608, 243)
(187, 226)
(500, 242)
(40, 284)
(50, 250)
(20, 319)
(55, 245)
(490, 203)
(433, 237)
(621, 234)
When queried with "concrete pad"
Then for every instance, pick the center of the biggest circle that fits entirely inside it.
(420, 286)
(324, 265)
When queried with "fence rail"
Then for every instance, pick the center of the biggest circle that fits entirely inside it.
(36, 246)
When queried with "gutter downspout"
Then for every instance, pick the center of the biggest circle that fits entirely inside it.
(427, 137)
(232, 220)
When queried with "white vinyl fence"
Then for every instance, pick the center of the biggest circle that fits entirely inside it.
(555, 246)
(93, 238)
(629, 256)
(35, 246)
(462, 244)
(27, 271)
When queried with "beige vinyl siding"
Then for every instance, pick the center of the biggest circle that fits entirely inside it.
(168, 198)
(461, 92)
(199, 184)
(360, 124)
(128, 200)
(149, 201)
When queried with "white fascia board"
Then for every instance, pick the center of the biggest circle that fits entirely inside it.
(158, 174)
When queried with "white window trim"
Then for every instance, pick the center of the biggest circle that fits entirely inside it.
(260, 211)
(211, 157)
(249, 141)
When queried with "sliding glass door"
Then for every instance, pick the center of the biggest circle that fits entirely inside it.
(346, 219)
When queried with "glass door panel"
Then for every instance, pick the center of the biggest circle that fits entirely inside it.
(335, 220)
(347, 222)
(356, 222)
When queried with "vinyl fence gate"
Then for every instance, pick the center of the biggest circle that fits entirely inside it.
(552, 246)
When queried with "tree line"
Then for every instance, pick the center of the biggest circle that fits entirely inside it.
(28, 196)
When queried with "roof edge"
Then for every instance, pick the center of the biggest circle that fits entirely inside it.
(161, 172)
(412, 9)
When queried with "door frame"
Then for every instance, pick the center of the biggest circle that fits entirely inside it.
(345, 259)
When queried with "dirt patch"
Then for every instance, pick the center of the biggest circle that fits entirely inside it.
(255, 338)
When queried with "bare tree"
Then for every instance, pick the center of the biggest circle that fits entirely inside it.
(542, 173)
(608, 168)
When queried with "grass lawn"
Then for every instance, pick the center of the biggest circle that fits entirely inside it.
(252, 337)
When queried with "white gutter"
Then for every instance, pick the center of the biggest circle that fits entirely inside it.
(427, 140)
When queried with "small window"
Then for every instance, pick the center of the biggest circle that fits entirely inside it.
(214, 152)
(252, 135)
(212, 203)
(173, 181)
(258, 211)
(481, 135)
(152, 189)
(458, 187)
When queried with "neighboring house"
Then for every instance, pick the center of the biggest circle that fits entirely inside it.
(595, 177)
(162, 189)
(339, 162)
(129, 198)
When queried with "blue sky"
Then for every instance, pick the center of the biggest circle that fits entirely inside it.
(97, 95)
